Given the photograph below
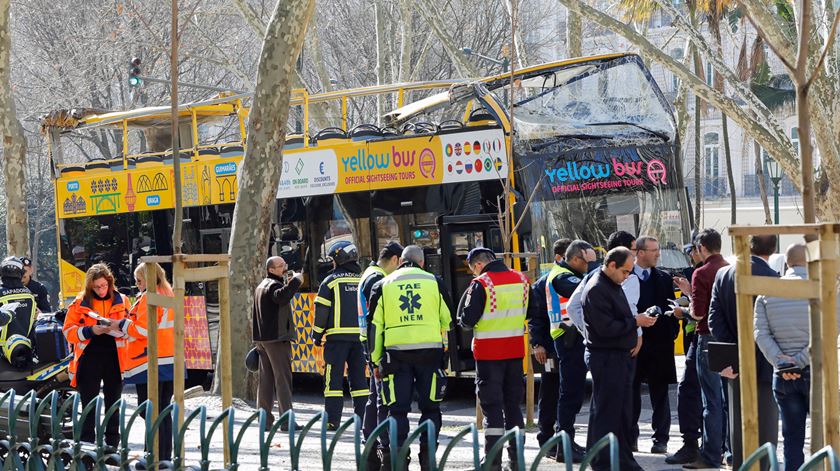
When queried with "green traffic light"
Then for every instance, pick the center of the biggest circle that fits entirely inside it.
(135, 81)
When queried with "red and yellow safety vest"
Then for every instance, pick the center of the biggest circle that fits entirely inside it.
(499, 334)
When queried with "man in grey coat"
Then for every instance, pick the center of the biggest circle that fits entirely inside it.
(782, 334)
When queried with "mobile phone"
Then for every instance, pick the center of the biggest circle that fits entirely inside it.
(789, 368)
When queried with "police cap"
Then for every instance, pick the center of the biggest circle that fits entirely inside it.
(471, 255)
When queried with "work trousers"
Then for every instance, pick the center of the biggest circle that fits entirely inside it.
(500, 387)
(711, 388)
(794, 399)
(689, 400)
(100, 371)
(275, 377)
(337, 354)
(611, 408)
(768, 419)
(165, 391)
(547, 404)
(572, 368)
(402, 380)
(661, 405)
(375, 411)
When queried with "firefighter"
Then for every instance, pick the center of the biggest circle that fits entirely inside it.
(495, 307)
(408, 339)
(561, 282)
(375, 410)
(15, 334)
(336, 322)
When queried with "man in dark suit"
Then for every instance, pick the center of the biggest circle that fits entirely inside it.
(655, 362)
(723, 323)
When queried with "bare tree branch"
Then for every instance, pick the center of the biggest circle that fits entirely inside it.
(829, 43)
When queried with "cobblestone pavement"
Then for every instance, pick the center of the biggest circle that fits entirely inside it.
(458, 411)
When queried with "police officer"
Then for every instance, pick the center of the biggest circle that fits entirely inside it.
(15, 339)
(336, 321)
(496, 306)
(556, 288)
(411, 321)
(42, 297)
(375, 410)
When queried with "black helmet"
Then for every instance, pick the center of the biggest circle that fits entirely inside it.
(343, 252)
(11, 267)
(252, 360)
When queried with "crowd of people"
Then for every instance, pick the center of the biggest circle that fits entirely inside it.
(617, 319)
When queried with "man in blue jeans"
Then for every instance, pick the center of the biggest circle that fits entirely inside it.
(782, 334)
(709, 244)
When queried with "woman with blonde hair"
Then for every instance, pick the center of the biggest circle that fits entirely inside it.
(136, 325)
(92, 327)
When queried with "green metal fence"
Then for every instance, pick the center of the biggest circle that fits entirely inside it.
(45, 434)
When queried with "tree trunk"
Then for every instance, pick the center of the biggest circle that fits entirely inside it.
(574, 33)
(379, 26)
(762, 185)
(259, 175)
(730, 176)
(406, 39)
(14, 147)
(429, 11)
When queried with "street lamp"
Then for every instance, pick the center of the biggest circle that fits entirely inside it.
(504, 63)
(774, 171)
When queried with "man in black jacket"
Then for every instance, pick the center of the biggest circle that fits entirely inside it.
(723, 322)
(553, 291)
(42, 297)
(655, 361)
(273, 332)
(337, 322)
(610, 337)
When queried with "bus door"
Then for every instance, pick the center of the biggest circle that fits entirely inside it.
(459, 235)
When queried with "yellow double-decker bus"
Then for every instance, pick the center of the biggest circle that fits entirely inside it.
(594, 150)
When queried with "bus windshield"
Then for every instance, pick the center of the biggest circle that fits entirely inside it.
(614, 98)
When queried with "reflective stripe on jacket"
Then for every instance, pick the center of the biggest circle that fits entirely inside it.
(362, 300)
(500, 333)
(78, 318)
(557, 304)
(135, 326)
(411, 314)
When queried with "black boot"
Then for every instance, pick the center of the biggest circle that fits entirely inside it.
(689, 453)
(385, 459)
(424, 457)
(373, 461)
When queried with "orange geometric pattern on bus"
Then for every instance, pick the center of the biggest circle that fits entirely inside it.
(306, 357)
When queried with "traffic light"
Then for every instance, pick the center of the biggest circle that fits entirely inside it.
(134, 79)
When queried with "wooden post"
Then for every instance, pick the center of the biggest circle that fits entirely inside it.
(152, 336)
(816, 348)
(746, 352)
(224, 346)
(828, 337)
(179, 367)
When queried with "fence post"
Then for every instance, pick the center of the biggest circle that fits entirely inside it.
(828, 320)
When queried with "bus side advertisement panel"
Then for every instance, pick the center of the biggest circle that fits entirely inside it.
(474, 156)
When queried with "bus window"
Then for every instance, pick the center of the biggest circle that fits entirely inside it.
(335, 218)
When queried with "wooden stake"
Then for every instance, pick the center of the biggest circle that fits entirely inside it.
(152, 336)
(816, 349)
(746, 352)
(179, 367)
(529, 386)
(225, 357)
(828, 337)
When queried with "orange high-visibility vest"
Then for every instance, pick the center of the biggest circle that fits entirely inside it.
(78, 318)
(136, 349)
